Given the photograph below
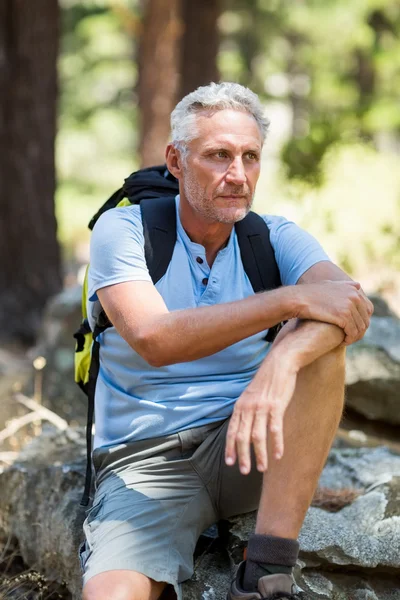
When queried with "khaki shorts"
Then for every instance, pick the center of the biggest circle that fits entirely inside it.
(155, 497)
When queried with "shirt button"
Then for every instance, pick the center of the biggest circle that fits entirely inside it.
(204, 281)
(199, 260)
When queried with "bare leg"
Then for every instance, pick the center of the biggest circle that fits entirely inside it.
(310, 424)
(122, 585)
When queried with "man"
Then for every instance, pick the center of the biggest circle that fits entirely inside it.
(189, 389)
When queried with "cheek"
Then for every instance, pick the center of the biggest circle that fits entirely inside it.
(209, 182)
(253, 175)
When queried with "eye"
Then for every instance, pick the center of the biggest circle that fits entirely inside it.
(252, 156)
(221, 154)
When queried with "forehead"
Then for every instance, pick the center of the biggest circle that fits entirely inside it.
(227, 127)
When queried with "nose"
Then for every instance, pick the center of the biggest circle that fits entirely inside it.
(236, 173)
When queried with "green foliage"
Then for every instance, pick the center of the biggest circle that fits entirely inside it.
(96, 144)
(303, 155)
(333, 70)
(338, 66)
(355, 213)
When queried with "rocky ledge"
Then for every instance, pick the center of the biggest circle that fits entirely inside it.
(350, 541)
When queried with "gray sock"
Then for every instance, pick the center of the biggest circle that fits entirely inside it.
(267, 554)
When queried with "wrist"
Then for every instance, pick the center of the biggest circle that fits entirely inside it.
(287, 354)
(289, 299)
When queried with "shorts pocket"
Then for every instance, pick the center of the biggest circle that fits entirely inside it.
(94, 510)
(93, 519)
(83, 554)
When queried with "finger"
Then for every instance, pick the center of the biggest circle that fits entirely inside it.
(350, 329)
(369, 307)
(275, 427)
(363, 310)
(355, 284)
(230, 444)
(259, 440)
(359, 323)
(243, 439)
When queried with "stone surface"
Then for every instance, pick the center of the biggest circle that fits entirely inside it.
(39, 505)
(60, 392)
(16, 373)
(352, 554)
(373, 371)
(381, 307)
(330, 585)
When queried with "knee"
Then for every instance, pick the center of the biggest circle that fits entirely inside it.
(108, 590)
(117, 591)
(122, 585)
(331, 365)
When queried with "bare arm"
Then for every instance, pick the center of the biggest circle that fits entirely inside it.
(161, 337)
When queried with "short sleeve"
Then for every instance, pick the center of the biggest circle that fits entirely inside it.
(117, 250)
(295, 249)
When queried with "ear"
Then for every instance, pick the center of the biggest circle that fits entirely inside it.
(174, 161)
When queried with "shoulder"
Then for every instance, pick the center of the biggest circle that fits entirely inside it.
(119, 215)
(277, 224)
(283, 231)
(118, 224)
(295, 249)
(117, 249)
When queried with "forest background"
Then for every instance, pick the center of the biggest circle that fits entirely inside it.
(86, 91)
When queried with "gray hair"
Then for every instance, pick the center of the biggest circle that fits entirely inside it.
(215, 96)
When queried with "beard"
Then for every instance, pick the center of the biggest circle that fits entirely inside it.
(235, 209)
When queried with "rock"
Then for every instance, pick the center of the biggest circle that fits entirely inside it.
(341, 586)
(56, 343)
(353, 553)
(381, 307)
(16, 373)
(373, 371)
(39, 505)
(360, 543)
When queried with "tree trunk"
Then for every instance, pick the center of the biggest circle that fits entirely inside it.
(29, 252)
(200, 44)
(158, 76)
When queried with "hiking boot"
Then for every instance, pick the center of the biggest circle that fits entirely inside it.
(279, 586)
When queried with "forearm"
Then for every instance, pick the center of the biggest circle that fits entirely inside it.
(301, 342)
(164, 337)
(190, 334)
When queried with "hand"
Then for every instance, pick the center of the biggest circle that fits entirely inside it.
(342, 303)
(259, 412)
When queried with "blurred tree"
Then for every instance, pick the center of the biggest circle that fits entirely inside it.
(158, 76)
(177, 53)
(200, 44)
(29, 252)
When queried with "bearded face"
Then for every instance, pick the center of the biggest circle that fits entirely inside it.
(227, 204)
(222, 166)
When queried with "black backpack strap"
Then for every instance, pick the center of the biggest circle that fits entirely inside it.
(111, 203)
(101, 325)
(258, 258)
(159, 228)
(152, 182)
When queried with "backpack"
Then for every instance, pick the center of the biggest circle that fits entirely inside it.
(155, 188)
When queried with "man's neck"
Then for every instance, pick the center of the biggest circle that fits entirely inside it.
(212, 235)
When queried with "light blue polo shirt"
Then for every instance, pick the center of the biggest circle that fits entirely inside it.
(136, 401)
